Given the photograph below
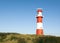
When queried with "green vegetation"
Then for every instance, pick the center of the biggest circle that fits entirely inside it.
(27, 38)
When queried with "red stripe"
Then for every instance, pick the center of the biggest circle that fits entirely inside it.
(39, 19)
(39, 32)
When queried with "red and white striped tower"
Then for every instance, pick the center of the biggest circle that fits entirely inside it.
(39, 30)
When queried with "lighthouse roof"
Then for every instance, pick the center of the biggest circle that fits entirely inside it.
(39, 10)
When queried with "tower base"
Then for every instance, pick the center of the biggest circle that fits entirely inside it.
(39, 32)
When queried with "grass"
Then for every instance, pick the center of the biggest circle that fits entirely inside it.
(21, 38)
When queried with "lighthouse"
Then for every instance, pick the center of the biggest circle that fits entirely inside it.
(39, 26)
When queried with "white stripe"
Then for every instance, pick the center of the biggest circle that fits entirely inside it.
(39, 26)
(39, 14)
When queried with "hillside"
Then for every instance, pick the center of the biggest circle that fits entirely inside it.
(27, 38)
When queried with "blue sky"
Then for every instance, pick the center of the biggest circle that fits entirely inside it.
(20, 16)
